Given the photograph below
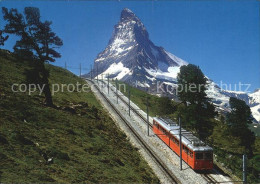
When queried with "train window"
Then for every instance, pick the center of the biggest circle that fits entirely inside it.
(208, 156)
(191, 154)
(199, 156)
(177, 142)
(186, 150)
(156, 124)
(164, 132)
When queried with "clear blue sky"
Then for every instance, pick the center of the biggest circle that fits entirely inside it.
(222, 37)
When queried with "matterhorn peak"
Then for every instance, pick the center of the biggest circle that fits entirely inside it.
(127, 14)
(131, 56)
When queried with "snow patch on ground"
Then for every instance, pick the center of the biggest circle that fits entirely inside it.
(256, 112)
(117, 69)
(255, 99)
(236, 92)
(170, 75)
(150, 78)
(144, 85)
(215, 94)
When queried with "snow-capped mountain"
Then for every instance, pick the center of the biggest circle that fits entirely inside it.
(132, 57)
(254, 103)
(220, 98)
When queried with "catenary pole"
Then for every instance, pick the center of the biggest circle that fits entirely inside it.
(108, 83)
(147, 112)
(97, 74)
(244, 169)
(129, 101)
(102, 80)
(180, 145)
(116, 92)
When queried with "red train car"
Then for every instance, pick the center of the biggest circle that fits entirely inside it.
(194, 152)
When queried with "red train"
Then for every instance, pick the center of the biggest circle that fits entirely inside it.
(194, 152)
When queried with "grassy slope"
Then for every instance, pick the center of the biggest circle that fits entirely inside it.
(86, 146)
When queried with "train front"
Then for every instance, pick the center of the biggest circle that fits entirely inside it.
(203, 158)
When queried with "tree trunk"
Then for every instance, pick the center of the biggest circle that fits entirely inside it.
(46, 90)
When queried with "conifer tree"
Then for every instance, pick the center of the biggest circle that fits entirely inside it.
(192, 85)
(36, 38)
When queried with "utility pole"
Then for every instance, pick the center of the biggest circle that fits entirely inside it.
(102, 80)
(79, 69)
(244, 169)
(129, 100)
(180, 145)
(97, 74)
(65, 65)
(108, 83)
(116, 92)
(147, 112)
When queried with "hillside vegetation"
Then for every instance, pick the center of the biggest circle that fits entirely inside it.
(75, 142)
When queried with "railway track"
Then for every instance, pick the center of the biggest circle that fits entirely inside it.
(132, 108)
(207, 177)
(147, 148)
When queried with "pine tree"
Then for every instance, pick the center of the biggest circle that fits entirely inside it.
(164, 106)
(191, 90)
(36, 38)
(238, 120)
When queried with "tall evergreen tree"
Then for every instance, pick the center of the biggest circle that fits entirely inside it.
(191, 90)
(238, 120)
(164, 105)
(37, 39)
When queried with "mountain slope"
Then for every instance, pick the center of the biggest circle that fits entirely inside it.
(254, 102)
(131, 56)
(78, 137)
